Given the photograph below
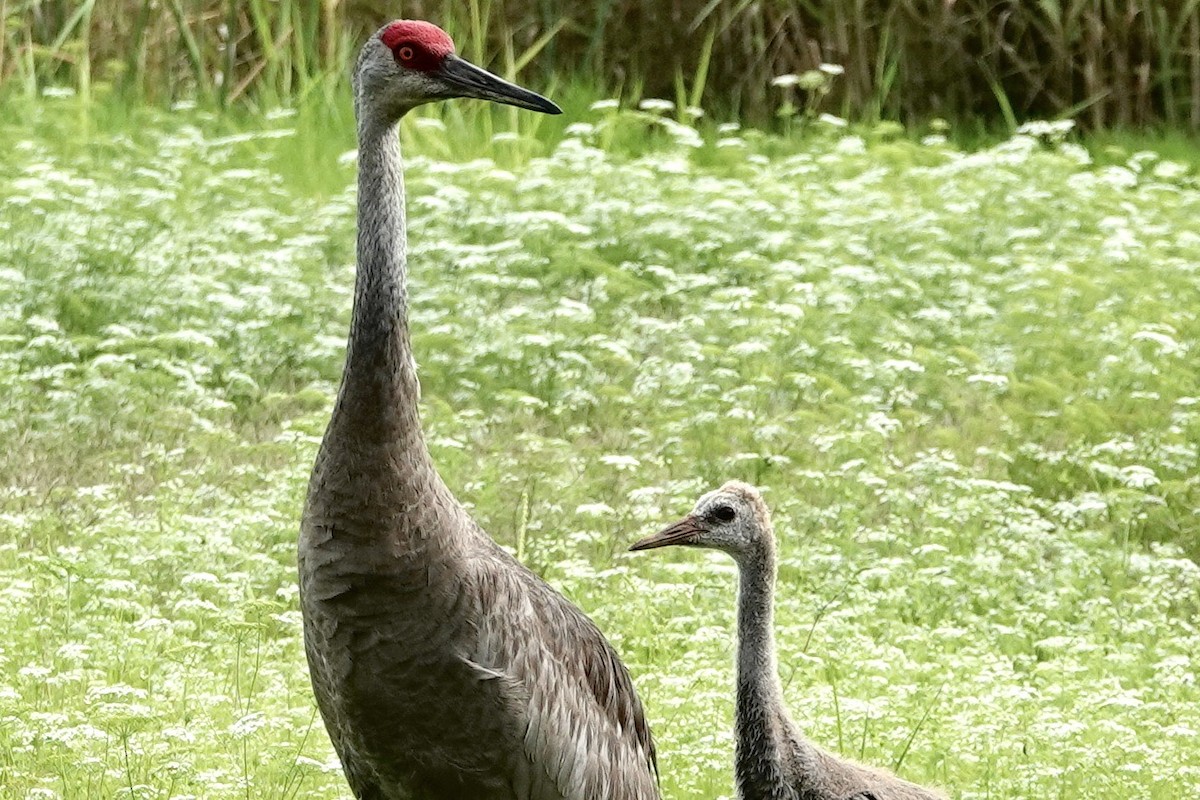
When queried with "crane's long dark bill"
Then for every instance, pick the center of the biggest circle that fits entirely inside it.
(472, 81)
(681, 532)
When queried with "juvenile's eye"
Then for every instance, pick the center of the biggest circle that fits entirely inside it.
(405, 53)
(723, 513)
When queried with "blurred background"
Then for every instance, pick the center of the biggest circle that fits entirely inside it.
(1105, 62)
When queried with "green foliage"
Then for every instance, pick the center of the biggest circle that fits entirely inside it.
(966, 381)
(1109, 64)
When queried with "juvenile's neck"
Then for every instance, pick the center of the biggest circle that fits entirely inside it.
(758, 674)
(767, 746)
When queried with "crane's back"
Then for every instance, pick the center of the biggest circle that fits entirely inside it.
(445, 669)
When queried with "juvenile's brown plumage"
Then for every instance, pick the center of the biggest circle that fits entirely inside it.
(772, 761)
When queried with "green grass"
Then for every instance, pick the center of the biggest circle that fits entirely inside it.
(966, 380)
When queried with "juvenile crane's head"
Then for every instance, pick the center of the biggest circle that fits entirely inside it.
(410, 62)
(733, 519)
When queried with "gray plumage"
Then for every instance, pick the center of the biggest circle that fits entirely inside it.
(773, 761)
(443, 668)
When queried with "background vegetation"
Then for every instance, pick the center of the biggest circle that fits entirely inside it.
(1109, 62)
(966, 380)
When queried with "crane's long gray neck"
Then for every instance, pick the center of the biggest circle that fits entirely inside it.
(379, 395)
(767, 746)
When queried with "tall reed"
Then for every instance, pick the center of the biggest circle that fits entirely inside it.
(1107, 62)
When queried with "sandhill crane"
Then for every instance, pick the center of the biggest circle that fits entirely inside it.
(443, 669)
(773, 760)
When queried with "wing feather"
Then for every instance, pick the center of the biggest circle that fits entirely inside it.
(586, 735)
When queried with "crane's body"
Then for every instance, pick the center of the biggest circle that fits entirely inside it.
(443, 668)
(772, 760)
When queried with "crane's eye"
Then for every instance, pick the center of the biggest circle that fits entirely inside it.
(405, 53)
(724, 513)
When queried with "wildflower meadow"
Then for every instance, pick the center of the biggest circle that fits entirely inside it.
(964, 377)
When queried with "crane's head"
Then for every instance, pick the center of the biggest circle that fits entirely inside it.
(733, 519)
(410, 62)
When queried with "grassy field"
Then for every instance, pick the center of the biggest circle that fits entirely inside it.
(967, 382)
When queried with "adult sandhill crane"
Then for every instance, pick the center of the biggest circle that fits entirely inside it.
(773, 760)
(443, 669)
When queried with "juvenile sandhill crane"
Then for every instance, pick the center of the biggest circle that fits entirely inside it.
(773, 760)
(443, 669)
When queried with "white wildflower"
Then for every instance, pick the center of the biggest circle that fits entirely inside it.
(594, 510)
(247, 725)
(656, 105)
(619, 461)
